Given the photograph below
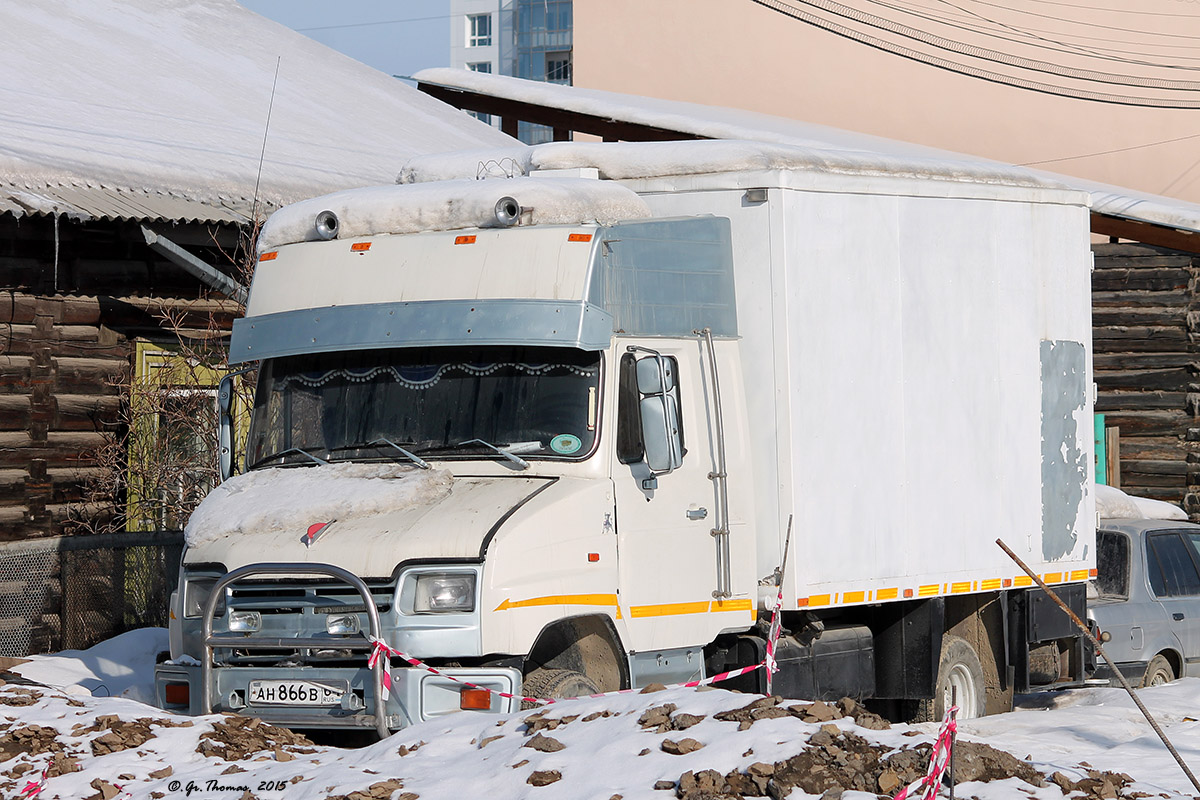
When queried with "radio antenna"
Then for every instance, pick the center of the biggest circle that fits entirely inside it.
(263, 153)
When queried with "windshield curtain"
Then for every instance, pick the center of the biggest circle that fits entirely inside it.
(539, 402)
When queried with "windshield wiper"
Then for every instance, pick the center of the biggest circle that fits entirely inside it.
(287, 452)
(520, 462)
(420, 462)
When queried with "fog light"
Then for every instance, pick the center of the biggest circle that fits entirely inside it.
(475, 700)
(176, 694)
(245, 621)
(341, 624)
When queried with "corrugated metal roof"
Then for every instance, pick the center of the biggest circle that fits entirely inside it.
(86, 200)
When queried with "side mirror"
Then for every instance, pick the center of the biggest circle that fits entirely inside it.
(225, 426)
(659, 407)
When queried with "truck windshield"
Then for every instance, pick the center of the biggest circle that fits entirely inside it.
(433, 402)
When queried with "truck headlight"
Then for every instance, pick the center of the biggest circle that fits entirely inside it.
(444, 592)
(245, 621)
(195, 595)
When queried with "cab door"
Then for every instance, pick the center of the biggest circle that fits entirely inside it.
(665, 497)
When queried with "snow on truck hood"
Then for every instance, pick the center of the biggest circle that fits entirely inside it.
(380, 515)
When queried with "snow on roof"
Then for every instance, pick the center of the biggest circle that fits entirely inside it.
(131, 107)
(1112, 503)
(453, 204)
(724, 123)
(631, 160)
(803, 144)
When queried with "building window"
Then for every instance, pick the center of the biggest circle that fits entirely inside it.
(479, 30)
(481, 66)
(558, 67)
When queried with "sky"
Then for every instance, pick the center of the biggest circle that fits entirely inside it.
(398, 37)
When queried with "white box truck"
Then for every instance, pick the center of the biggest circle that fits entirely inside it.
(549, 435)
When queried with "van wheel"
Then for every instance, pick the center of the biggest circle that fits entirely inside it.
(555, 684)
(1158, 672)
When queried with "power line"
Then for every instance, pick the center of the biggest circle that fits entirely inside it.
(965, 69)
(1109, 152)
(1025, 35)
(373, 24)
(995, 56)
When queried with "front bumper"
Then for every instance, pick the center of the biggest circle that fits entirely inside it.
(416, 695)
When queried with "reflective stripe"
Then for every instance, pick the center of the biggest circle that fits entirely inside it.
(561, 600)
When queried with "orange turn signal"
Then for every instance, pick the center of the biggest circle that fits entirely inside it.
(475, 700)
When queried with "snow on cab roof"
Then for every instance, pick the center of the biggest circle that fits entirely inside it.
(144, 108)
(451, 205)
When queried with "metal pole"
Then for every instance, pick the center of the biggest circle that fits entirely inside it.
(720, 478)
(953, 738)
(1099, 649)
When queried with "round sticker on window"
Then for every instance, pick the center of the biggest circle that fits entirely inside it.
(565, 443)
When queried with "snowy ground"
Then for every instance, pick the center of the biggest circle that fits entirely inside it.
(98, 741)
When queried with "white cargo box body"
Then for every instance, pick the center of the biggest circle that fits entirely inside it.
(917, 366)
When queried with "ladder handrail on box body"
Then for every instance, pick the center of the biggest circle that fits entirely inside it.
(262, 643)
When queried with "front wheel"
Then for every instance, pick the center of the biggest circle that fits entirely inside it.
(555, 684)
(1158, 672)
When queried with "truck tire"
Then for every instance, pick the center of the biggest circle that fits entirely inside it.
(960, 673)
(1158, 672)
(554, 684)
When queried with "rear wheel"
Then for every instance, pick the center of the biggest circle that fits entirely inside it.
(1158, 672)
(960, 682)
(555, 684)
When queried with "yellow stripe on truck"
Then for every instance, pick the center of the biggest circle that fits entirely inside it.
(561, 600)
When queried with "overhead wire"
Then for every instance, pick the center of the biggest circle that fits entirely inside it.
(930, 59)
(1025, 36)
(994, 56)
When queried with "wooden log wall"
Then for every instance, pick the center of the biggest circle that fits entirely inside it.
(74, 298)
(1146, 334)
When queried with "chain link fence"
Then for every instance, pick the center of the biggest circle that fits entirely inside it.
(72, 592)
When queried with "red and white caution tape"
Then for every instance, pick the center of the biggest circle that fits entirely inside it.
(34, 788)
(926, 788)
(379, 649)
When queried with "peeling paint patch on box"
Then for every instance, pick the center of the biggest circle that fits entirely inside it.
(1064, 461)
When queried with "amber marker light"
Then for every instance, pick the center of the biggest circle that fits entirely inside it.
(271, 256)
(360, 247)
(1092, 573)
(475, 700)
(579, 237)
(908, 593)
(1007, 582)
(464, 240)
(593, 557)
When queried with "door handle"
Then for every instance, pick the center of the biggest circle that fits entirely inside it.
(697, 513)
(1177, 616)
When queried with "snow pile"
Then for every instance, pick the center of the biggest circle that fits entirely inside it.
(1112, 503)
(120, 667)
(279, 499)
(452, 205)
(682, 743)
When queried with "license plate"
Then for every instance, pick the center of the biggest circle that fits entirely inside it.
(295, 693)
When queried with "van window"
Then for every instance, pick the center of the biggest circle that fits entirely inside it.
(1172, 565)
(1112, 564)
